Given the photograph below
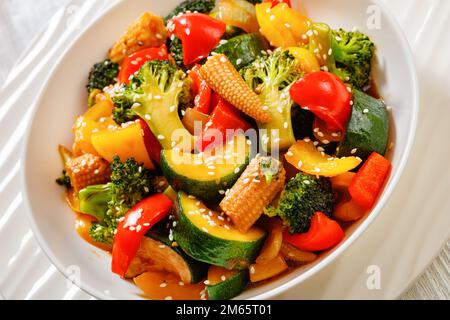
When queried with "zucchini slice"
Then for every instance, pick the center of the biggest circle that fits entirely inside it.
(203, 176)
(244, 49)
(225, 284)
(206, 236)
(368, 128)
(156, 253)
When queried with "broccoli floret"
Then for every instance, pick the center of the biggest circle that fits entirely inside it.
(201, 6)
(353, 53)
(302, 197)
(130, 183)
(102, 75)
(64, 180)
(271, 77)
(122, 112)
(176, 50)
(155, 94)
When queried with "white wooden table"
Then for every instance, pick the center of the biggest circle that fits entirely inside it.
(21, 20)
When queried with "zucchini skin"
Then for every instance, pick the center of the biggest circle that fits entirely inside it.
(229, 288)
(367, 132)
(197, 269)
(207, 248)
(207, 191)
(246, 47)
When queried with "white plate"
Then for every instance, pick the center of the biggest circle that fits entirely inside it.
(25, 272)
(64, 98)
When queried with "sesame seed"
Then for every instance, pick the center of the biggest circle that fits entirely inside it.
(272, 17)
(148, 117)
(168, 298)
(354, 151)
(206, 230)
(317, 169)
(299, 164)
(326, 141)
(237, 170)
(290, 154)
(222, 192)
(181, 283)
(188, 31)
(252, 270)
(239, 61)
(163, 284)
(285, 125)
(206, 282)
(366, 111)
(161, 137)
(223, 278)
(172, 109)
(307, 182)
(223, 59)
(226, 227)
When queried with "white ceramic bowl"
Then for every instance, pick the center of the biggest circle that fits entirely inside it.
(64, 98)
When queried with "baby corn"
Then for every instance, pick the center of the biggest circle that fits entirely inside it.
(146, 32)
(223, 78)
(87, 170)
(260, 183)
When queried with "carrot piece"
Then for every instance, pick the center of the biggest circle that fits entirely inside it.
(368, 182)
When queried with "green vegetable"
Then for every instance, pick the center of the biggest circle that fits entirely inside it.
(196, 269)
(302, 197)
(351, 57)
(243, 49)
(232, 31)
(271, 77)
(64, 180)
(155, 95)
(368, 128)
(201, 6)
(195, 178)
(353, 53)
(130, 183)
(102, 75)
(122, 112)
(176, 49)
(208, 240)
(230, 288)
(94, 200)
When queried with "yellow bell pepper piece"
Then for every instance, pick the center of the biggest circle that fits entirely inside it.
(307, 158)
(282, 25)
(98, 117)
(124, 142)
(306, 59)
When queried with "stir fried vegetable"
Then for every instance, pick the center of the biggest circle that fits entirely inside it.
(226, 144)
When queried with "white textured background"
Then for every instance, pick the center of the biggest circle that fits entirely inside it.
(21, 20)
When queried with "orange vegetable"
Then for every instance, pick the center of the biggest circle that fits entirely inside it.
(347, 211)
(270, 269)
(272, 246)
(124, 142)
(216, 274)
(291, 253)
(167, 286)
(342, 181)
(191, 117)
(98, 117)
(307, 158)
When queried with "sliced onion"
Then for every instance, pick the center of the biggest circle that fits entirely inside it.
(237, 13)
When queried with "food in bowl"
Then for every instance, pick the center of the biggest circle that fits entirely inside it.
(224, 145)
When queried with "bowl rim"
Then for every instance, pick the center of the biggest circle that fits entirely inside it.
(336, 252)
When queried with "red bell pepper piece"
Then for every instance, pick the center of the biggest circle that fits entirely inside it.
(368, 182)
(325, 95)
(224, 117)
(200, 90)
(134, 226)
(151, 142)
(323, 234)
(199, 35)
(135, 61)
(275, 2)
